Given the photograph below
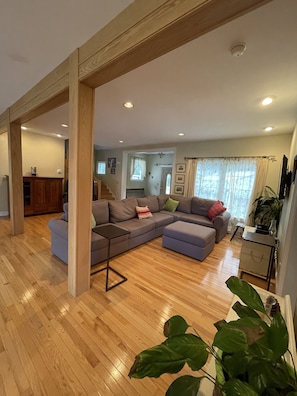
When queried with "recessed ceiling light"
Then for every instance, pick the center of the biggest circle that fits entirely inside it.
(128, 105)
(23, 127)
(268, 128)
(266, 101)
(121, 141)
(64, 125)
(58, 135)
(181, 134)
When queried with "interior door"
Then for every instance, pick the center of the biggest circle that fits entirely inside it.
(166, 179)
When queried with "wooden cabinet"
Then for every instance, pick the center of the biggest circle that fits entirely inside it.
(42, 195)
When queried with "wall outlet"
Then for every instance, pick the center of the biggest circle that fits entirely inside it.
(59, 171)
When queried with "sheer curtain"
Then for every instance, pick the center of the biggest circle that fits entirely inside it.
(230, 180)
(261, 174)
(191, 167)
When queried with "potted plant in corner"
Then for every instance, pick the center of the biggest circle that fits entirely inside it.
(267, 208)
(248, 352)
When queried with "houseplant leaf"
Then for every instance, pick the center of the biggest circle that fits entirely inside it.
(235, 387)
(186, 385)
(229, 339)
(155, 361)
(278, 336)
(243, 311)
(246, 293)
(190, 348)
(175, 325)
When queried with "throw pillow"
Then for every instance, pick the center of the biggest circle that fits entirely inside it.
(143, 212)
(171, 205)
(93, 221)
(216, 209)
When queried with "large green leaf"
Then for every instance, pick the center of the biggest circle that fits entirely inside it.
(254, 328)
(246, 293)
(278, 337)
(191, 348)
(264, 374)
(229, 339)
(243, 311)
(155, 361)
(186, 385)
(235, 387)
(237, 363)
(175, 325)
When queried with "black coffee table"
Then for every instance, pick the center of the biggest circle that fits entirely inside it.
(110, 232)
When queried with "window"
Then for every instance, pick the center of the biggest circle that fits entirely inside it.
(101, 167)
(229, 180)
(137, 168)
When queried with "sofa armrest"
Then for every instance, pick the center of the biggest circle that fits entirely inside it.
(221, 219)
(59, 227)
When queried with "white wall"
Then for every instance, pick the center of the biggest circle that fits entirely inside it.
(287, 253)
(3, 171)
(44, 152)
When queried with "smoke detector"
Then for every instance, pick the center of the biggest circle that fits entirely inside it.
(238, 50)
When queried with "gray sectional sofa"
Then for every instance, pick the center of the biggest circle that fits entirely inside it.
(123, 213)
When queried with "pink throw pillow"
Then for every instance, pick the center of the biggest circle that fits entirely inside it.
(216, 209)
(143, 212)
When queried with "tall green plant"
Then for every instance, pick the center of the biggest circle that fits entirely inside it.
(249, 352)
(267, 207)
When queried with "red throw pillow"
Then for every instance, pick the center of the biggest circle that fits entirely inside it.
(216, 209)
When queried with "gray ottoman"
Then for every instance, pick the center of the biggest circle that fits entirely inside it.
(190, 239)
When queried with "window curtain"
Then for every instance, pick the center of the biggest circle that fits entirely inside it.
(230, 180)
(191, 167)
(260, 182)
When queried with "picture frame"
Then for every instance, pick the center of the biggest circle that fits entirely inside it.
(111, 162)
(179, 179)
(180, 168)
(178, 189)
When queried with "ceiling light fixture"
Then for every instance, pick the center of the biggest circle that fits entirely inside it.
(64, 125)
(128, 105)
(266, 101)
(238, 50)
(181, 134)
(58, 135)
(23, 127)
(121, 141)
(268, 128)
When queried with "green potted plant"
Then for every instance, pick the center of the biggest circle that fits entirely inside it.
(267, 207)
(248, 352)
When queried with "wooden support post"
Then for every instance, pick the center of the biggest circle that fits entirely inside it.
(16, 194)
(81, 107)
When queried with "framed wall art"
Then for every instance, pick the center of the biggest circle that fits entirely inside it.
(179, 179)
(180, 168)
(178, 189)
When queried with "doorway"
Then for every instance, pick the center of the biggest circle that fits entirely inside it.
(166, 178)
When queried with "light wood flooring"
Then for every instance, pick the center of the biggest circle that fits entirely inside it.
(54, 344)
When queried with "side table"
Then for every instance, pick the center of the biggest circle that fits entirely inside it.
(110, 232)
(257, 254)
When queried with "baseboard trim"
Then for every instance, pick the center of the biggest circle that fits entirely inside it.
(4, 213)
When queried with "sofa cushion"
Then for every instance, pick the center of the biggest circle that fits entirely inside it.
(121, 210)
(185, 203)
(171, 205)
(100, 211)
(201, 206)
(150, 201)
(65, 214)
(216, 209)
(162, 200)
(137, 227)
(143, 212)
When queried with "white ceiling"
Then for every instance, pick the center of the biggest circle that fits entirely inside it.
(199, 89)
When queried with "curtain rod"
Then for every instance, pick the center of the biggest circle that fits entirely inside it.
(270, 157)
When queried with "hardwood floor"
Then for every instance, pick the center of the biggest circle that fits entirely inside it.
(54, 344)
